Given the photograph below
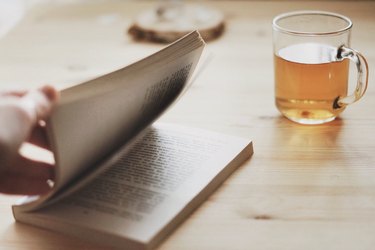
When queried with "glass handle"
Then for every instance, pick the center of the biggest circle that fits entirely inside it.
(362, 78)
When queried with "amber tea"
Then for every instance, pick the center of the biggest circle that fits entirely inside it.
(312, 54)
(308, 78)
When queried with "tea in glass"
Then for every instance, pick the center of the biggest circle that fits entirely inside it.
(311, 60)
(308, 79)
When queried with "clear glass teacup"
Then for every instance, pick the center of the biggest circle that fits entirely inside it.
(311, 60)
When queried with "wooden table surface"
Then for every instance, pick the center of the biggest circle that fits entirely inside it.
(306, 187)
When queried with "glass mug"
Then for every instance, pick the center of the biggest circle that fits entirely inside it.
(311, 60)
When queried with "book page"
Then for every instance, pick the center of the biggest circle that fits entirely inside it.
(96, 118)
(144, 177)
(147, 188)
(88, 130)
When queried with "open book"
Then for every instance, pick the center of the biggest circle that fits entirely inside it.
(121, 179)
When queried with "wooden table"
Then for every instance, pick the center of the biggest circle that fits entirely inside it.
(306, 187)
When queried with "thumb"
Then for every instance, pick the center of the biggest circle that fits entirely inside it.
(39, 103)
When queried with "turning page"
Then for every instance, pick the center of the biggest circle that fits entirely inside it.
(96, 118)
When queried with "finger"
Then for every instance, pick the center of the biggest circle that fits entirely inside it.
(20, 185)
(38, 103)
(26, 177)
(17, 92)
(31, 168)
(38, 137)
(51, 93)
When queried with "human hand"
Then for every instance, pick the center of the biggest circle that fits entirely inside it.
(21, 113)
